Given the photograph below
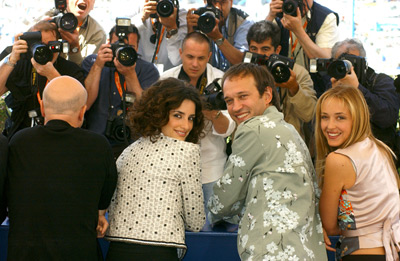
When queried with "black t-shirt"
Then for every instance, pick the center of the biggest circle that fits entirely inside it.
(3, 167)
(23, 88)
(59, 177)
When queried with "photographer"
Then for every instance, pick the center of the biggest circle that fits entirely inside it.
(106, 85)
(297, 96)
(25, 78)
(228, 35)
(378, 90)
(195, 53)
(88, 36)
(308, 32)
(161, 36)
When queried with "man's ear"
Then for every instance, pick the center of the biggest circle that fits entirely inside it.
(42, 108)
(267, 95)
(82, 113)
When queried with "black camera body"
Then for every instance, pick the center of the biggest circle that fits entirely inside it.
(339, 68)
(278, 65)
(116, 129)
(213, 97)
(165, 8)
(41, 52)
(125, 53)
(207, 19)
(64, 20)
(290, 7)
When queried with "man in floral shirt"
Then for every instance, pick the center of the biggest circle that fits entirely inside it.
(269, 180)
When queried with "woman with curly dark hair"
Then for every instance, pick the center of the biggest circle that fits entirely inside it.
(159, 192)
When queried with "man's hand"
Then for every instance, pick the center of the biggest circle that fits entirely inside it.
(215, 34)
(102, 226)
(292, 23)
(211, 114)
(275, 7)
(170, 21)
(47, 70)
(19, 46)
(126, 71)
(291, 84)
(149, 8)
(71, 38)
(191, 20)
(104, 55)
(348, 80)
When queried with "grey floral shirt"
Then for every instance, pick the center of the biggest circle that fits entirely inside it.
(269, 187)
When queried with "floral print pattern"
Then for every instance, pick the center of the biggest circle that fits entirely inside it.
(268, 183)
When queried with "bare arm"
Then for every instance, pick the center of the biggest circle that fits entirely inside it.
(19, 46)
(219, 120)
(92, 81)
(339, 174)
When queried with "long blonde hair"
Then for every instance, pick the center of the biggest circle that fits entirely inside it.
(354, 100)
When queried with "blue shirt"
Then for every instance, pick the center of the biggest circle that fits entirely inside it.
(97, 115)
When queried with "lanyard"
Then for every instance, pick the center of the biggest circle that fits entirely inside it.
(35, 81)
(159, 41)
(118, 83)
(295, 42)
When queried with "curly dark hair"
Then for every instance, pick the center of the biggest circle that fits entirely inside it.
(151, 112)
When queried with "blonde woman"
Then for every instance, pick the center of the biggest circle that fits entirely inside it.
(360, 196)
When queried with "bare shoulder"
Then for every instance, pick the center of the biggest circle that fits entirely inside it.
(341, 167)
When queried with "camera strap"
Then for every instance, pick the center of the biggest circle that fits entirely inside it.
(159, 38)
(118, 84)
(294, 45)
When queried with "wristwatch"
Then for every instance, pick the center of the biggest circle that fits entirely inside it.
(220, 41)
(75, 50)
(171, 32)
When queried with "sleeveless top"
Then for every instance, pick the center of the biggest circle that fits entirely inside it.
(369, 211)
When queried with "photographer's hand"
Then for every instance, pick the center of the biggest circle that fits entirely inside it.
(71, 38)
(218, 119)
(293, 23)
(170, 21)
(149, 8)
(47, 70)
(349, 80)
(191, 20)
(275, 7)
(19, 46)
(292, 85)
(104, 55)
(131, 79)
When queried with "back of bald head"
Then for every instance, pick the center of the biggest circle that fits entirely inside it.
(64, 95)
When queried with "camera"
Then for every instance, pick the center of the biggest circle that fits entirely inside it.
(290, 7)
(40, 52)
(116, 128)
(208, 14)
(165, 8)
(279, 66)
(125, 53)
(213, 96)
(64, 20)
(339, 68)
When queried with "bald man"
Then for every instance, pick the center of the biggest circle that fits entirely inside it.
(61, 180)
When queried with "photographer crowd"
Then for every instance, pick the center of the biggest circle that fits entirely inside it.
(194, 119)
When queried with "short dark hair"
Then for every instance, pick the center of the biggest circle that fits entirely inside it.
(263, 30)
(198, 37)
(132, 30)
(261, 75)
(45, 26)
(151, 112)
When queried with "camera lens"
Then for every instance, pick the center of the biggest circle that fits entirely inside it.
(280, 72)
(119, 132)
(338, 69)
(68, 22)
(41, 53)
(206, 22)
(126, 55)
(165, 8)
(290, 7)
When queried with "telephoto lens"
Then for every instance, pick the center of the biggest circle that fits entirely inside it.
(126, 55)
(165, 8)
(339, 69)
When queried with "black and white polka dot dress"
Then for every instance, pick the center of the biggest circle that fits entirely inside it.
(159, 193)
